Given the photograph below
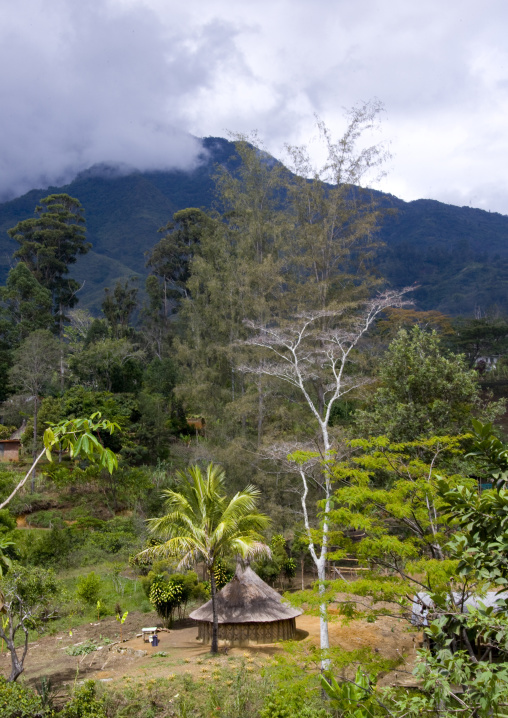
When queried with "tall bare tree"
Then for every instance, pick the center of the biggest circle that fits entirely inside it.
(315, 354)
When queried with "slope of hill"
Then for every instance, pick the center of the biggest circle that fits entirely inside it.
(458, 255)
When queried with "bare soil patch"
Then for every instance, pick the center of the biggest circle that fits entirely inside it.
(180, 652)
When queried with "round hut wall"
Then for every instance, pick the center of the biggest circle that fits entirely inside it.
(241, 634)
(248, 611)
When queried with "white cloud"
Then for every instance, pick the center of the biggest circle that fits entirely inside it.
(126, 80)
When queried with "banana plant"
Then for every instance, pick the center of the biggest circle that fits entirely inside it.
(121, 621)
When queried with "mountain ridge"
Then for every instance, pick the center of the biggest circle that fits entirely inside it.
(458, 255)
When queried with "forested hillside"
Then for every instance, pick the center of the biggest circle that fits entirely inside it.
(264, 399)
(457, 254)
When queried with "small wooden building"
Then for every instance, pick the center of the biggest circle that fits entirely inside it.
(249, 611)
(9, 449)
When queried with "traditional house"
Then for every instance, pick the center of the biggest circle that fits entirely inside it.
(249, 611)
(9, 448)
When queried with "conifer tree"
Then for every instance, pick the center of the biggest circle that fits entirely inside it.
(49, 243)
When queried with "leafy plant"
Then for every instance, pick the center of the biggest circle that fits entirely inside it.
(17, 701)
(83, 649)
(165, 596)
(88, 588)
(353, 699)
(85, 704)
(121, 620)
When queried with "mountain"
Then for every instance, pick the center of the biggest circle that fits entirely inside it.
(458, 255)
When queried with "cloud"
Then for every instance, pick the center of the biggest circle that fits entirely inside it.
(129, 81)
(88, 82)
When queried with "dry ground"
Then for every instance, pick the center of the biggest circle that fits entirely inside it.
(135, 659)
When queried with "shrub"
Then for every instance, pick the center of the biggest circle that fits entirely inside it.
(17, 701)
(7, 521)
(89, 587)
(85, 704)
(284, 703)
(47, 519)
(165, 596)
(49, 547)
(83, 649)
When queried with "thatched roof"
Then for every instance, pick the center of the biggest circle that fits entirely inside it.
(246, 599)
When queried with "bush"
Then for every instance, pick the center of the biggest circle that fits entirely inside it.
(47, 519)
(89, 587)
(17, 701)
(165, 596)
(7, 521)
(284, 703)
(48, 547)
(85, 704)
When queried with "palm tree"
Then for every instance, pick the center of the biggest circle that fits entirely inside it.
(201, 523)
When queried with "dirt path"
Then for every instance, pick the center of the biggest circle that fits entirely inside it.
(179, 651)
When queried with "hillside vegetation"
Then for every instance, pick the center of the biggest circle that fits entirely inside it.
(266, 393)
(458, 255)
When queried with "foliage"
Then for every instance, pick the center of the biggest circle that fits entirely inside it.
(18, 701)
(110, 364)
(391, 493)
(79, 438)
(491, 452)
(166, 596)
(85, 704)
(286, 703)
(353, 699)
(424, 391)
(51, 242)
(29, 596)
(202, 523)
(89, 588)
(26, 305)
(83, 649)
(279, 565)
(445, 545)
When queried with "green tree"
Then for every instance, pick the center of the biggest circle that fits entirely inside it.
(110, 364)
(36, 363)
(203, 524)
(424, 390)
(434, 546)
(285, 244)
(118, 306)
(78, 437)
(480, 336)
(28, 596)
(170, 258)
(26, 305)
(49, 243)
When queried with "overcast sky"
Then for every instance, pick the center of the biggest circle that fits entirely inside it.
(131, 80)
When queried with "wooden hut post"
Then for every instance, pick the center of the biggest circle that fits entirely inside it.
(215, 629)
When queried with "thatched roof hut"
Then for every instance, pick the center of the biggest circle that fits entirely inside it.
(249, 611)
